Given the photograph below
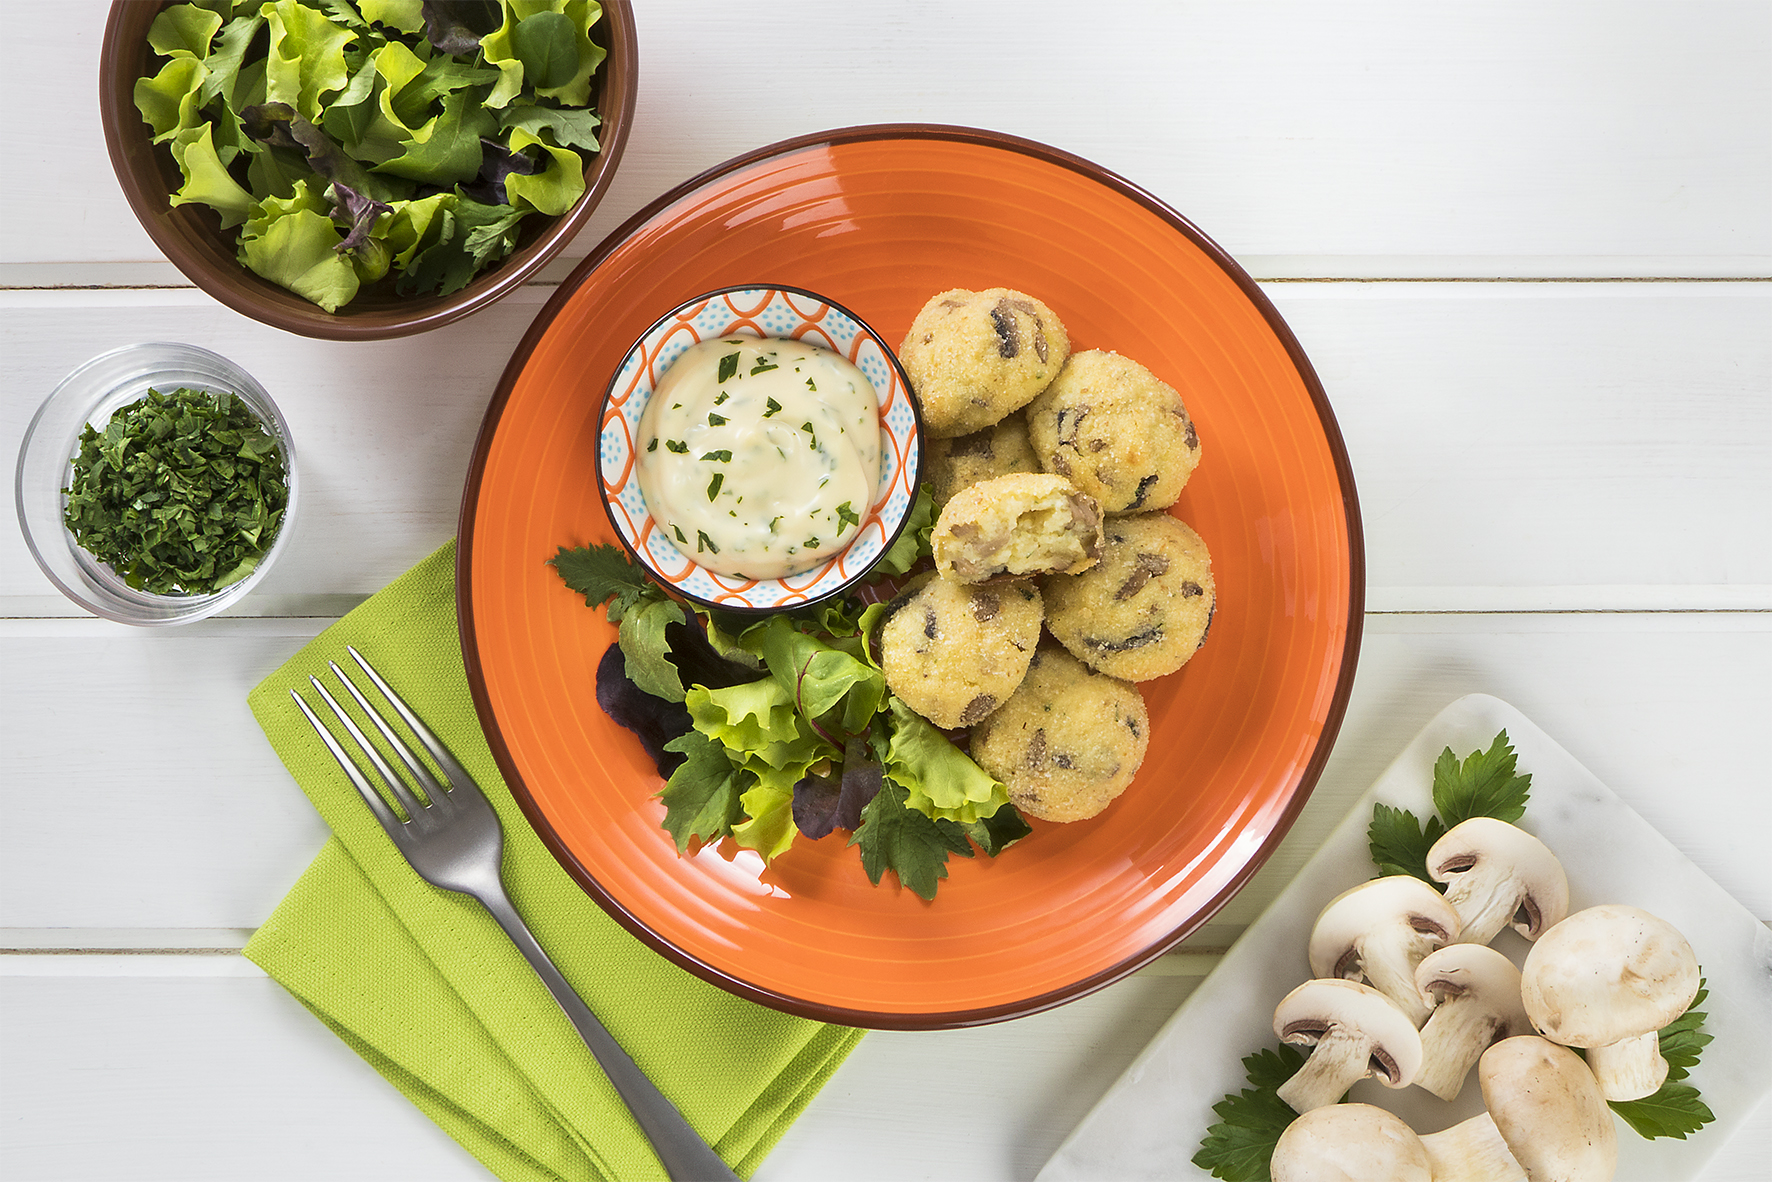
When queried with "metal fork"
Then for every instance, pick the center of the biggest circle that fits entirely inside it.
(453, 840)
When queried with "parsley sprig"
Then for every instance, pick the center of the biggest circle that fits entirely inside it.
(1250, 1122)
(1483, 784)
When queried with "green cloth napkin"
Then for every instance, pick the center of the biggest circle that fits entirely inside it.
(425, 986)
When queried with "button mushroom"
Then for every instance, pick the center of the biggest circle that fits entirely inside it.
(1476, 995)
(1380, 930)
(1546, 1120)
(1356, 1031)
(1608, 979)
(1349, 1143)
(1497, 874)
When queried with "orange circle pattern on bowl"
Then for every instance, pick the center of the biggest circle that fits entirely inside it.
(883, 218)
(782, 313)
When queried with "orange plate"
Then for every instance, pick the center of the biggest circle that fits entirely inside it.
(881, 218)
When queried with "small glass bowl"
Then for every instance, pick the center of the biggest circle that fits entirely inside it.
(92, 394)
(763, 311)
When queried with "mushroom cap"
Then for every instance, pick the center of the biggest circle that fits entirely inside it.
(1608, 973)
(1393, 899)
(1486, 845)
(1349, 1143)
(1477, 972)
(1549, 1110)
(1309, 1011)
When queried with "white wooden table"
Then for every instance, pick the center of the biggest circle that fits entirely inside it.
(1528, 247)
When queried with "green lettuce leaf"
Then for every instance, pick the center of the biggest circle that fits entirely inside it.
(442, 76)
(757, 718)
(820, 678)
(275, 172)
(169, 101)
(999, 831)
(410, 229)
(701, 798)
(227, 57)
(768, 826)
(646, 650)
(470, 235)
(547, 45)
(567, 128)
(306, 61)
(576, 90)
(446, 149)
(294, 244)
(184, 30)
(940, 780)
(404, 15)
(913, 544)
(553, 191)
(207, 180)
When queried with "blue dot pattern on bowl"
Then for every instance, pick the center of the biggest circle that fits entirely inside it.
(756, 312)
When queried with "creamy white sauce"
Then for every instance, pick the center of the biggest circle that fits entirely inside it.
(760, 457)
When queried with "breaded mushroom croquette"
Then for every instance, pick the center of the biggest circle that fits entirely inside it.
(1117, 431)
(1013, 526)
(950, 465)
(1068, 742)
(1144, 609)
(955, 653)
(974, 357)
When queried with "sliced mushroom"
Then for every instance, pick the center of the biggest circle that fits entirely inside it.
(1475, 992)
(1356, 1032)
(1497, 874)
(1546, 1120)
(1349, 1143)
(1380, 930)
(1608, 979)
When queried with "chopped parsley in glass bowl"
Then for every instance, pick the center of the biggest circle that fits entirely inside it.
(156, 484)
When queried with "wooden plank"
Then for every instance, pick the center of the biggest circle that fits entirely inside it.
(181, 798)
(1535, 440)
(193, 1075)
(1376, 138)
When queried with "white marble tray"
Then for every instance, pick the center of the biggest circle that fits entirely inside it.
(1149, 1124)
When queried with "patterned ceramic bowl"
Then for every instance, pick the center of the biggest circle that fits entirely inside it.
(765, 312)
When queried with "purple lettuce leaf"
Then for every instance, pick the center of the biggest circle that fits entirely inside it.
(456, 26)
(825, 803)
(496, 163)
(654, 721)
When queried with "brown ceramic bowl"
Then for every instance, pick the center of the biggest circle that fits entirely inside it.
(191, 235)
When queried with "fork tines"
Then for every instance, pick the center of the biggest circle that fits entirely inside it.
(393, 784)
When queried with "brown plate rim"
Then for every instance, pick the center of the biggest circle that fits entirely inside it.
(947, 1019)
(266, 303)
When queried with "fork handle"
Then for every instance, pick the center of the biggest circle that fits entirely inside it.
(686, 1157)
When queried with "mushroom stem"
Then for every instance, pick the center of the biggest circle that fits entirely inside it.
(1630, 1068)
(1389, 961)
(1343, 1056)
(1485, 904)
(1454, 1038)
(1472, 1151)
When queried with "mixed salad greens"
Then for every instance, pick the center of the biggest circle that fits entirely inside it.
(353, 139)
(1484, 784)
(771, 728)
